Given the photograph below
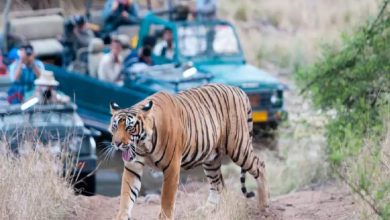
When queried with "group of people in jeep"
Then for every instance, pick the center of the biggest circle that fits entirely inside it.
(103, 62)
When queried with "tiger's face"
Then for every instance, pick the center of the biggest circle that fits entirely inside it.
(129, 130)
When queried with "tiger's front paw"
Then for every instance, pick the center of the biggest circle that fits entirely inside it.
(162, 216)
(122, 216)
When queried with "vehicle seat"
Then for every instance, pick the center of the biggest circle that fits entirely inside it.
(95, 53)
(41, 32)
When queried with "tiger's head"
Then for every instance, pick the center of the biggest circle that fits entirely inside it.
(131, 129)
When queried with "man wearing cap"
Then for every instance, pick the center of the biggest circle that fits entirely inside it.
(23, 72)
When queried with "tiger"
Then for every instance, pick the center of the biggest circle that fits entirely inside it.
(195, 127)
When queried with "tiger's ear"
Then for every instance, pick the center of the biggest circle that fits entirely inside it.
(148, 106)
(114, 107)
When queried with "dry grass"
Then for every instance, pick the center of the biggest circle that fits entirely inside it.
(32, 187)
(300, 159)
(232, 206)
(290, 33)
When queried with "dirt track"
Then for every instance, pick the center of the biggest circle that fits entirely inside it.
(329, 201)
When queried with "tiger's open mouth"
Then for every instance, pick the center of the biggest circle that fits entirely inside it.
(127, 154)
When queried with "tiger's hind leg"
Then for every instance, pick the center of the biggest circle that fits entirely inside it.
(250, 162)
(213, 173)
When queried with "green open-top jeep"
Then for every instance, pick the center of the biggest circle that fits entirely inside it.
(206, 52)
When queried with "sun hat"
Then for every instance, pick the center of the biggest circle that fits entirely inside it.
(46, 78)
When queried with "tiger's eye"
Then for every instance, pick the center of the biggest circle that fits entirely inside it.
(130, 129)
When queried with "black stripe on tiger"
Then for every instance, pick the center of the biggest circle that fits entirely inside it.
(134, 173)
(243, 187)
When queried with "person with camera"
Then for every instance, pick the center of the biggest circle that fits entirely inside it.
(119, 12)
(83, 35)
(23, 72)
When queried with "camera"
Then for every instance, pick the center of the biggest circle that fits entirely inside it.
(28, 49)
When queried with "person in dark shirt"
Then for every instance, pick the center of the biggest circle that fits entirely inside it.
(133, 57)
(143, 61)
(119, 12)
(83, 35)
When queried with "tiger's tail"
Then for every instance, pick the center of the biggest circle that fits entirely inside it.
(250, 129)
(243, 187)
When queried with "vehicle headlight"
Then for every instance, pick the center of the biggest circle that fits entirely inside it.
(277, 97)
(274, 98)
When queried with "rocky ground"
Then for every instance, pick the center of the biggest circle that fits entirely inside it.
(327, 201)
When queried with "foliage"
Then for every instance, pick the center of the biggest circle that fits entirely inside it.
(353, 83)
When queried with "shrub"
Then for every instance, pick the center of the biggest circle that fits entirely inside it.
(355, 83)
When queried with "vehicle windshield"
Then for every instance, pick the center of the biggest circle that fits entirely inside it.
(200, 40)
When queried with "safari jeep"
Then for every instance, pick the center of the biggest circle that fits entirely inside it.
(209, 52)
(56, 127)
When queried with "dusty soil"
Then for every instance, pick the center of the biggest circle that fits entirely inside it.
(329, 201)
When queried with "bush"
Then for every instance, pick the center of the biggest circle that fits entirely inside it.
(354, 82)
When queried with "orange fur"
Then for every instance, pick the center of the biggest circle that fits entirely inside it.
(195, 127)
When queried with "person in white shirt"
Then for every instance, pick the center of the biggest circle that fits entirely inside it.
(164, 48)
(110, 65)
